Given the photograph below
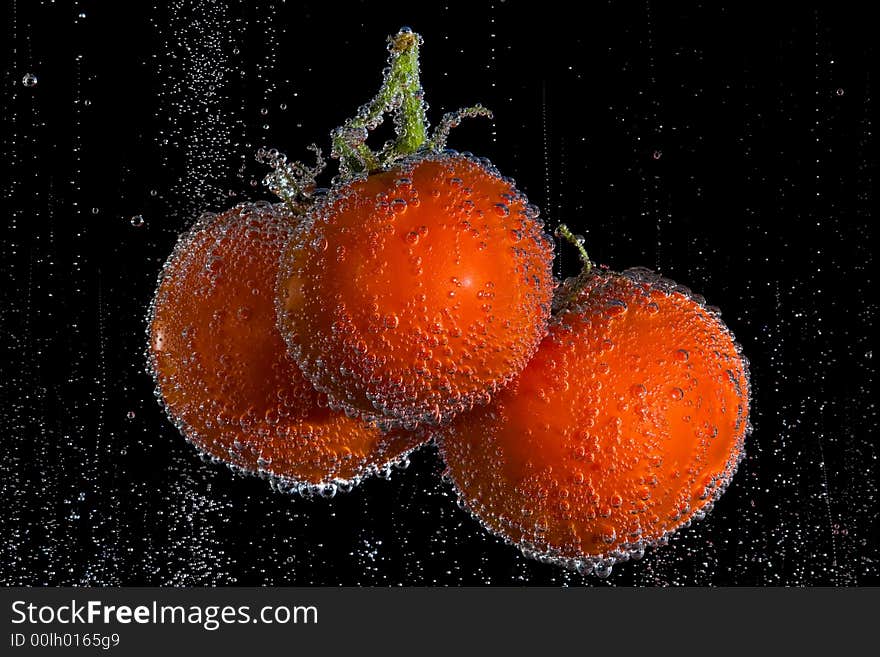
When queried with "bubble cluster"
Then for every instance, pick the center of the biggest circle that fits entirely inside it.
(223, 373)
(407, 297)
(628, 424)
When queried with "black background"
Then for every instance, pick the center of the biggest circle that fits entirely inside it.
(728, 147)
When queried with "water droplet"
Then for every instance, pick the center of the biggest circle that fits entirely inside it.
(616, 307)
(29, 80)
(603, 569)
(137, 220)
(398, 206)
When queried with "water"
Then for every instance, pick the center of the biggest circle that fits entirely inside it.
(759, 199)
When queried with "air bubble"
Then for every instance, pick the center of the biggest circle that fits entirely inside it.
(603, 569)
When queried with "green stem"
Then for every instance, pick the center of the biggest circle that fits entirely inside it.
(568, 292)
(293, 182)
(401, 92)
(452, 120)
(412, 120)
(577, 242)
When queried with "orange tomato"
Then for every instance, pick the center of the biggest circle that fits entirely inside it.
(628, 423)
(415, 293)
(222, 370)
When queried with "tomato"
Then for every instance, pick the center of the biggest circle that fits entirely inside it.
(415, 293)
(222, 369)
(628, 423)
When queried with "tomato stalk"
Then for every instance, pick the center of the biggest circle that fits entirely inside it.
(570, 289)
(577, 242)
(451, 120)
(400, 94)
(412, 121)
(293, 182)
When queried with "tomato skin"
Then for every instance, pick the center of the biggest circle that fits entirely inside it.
(418, 292)
(629, 422)
(222, 369)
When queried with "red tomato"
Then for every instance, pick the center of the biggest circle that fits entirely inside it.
(628, 423)
(415, 293)
(222, 370)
